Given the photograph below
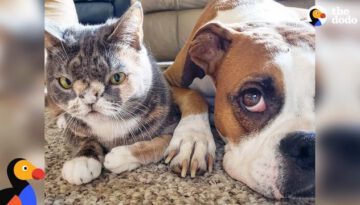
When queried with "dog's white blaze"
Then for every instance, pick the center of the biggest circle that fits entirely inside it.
(252, 11)
(298, 68)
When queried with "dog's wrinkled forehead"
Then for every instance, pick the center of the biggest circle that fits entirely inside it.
(278, 36)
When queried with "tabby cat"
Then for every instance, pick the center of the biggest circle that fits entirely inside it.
(114, 102)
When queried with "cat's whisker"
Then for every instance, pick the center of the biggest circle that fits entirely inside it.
(142, 125)
(131, 133)
(131, 116)
(69, 123)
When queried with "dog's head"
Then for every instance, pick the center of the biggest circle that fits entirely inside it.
(264, 75)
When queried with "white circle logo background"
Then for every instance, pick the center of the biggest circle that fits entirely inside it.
(322, 20)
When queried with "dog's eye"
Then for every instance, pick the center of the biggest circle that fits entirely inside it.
(253, 100)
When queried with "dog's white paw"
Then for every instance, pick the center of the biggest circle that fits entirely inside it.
(81, 170)
(192, 135)
(120, 159)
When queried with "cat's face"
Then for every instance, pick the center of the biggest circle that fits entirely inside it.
(95, 71)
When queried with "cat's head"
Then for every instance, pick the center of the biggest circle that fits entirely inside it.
(97, 70)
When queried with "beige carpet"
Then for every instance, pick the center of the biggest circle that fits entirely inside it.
(153, 184)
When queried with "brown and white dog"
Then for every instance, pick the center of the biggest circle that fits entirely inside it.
(256, 59)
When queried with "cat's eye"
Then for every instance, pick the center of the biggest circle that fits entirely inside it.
(117, 78)
(65, 82)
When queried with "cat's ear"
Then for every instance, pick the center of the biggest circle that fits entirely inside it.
(128, 29)
(53, 35)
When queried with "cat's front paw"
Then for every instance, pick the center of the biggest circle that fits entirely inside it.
(81, 170)
(192, 147)
(120, 159)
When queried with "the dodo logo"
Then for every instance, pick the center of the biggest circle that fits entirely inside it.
(317, 16)
(19, 171)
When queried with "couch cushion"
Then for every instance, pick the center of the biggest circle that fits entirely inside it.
(160, 36)
(166, 32)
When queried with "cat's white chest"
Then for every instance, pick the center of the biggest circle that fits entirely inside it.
(108, 130)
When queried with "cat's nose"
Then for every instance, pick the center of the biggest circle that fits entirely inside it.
(89, 98)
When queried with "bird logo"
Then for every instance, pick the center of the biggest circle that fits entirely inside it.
(19, 171)
(317, 16)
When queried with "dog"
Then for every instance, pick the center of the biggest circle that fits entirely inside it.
(253, 63)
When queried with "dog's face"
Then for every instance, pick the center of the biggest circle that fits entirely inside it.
(264, 76)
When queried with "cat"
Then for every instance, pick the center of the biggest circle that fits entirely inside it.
(114, 103)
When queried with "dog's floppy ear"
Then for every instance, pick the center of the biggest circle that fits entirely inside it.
(207, 49)
(128, 28)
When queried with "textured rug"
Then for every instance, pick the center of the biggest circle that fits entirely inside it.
(152, 184)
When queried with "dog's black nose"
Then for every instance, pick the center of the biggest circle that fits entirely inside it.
(300, 147)
(298, 151)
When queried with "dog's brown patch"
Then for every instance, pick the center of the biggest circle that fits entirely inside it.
(189, 101)
(245, 58)
(297, 33)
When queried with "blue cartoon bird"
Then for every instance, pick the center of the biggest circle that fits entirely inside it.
(19, 171)
(315, 16)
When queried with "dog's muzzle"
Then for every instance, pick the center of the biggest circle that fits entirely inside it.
(298, 152)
